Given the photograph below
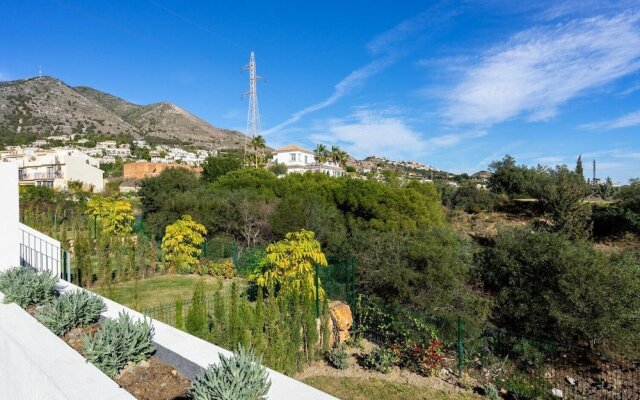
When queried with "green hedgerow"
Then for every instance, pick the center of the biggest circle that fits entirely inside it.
(72, 310)
(240, 377)
(118, 342)
(338, 357)
(25, 287)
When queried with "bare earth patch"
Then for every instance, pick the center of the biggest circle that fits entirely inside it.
(74, 337)
(396, 375)
(153, 380)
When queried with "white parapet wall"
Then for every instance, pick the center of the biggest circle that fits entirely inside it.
(9, 216)
(36, 364)
(203, 353)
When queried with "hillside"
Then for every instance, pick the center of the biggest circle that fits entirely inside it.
(38, 107)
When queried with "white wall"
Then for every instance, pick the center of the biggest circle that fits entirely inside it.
(77, 169)
(9, 216)
(36, 364)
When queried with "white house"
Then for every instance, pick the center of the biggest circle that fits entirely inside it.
(55, 168)
(298, 159)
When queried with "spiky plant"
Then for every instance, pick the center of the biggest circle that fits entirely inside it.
(24, 286)
(71, 310)
(239, 377)
(118, 342)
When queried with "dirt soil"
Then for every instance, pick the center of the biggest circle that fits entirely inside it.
(444, 380)
(74, 337)
(153, 380)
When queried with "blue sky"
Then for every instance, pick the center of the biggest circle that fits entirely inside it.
(452, 84)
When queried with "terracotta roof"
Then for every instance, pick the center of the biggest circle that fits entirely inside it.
(293, 147)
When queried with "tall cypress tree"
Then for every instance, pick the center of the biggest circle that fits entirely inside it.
(197, 316)
(579, 168)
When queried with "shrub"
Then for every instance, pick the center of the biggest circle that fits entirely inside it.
(240, 377)
(25, 286)
(424, 359)
(224, 269)
(72, 310)
(338, 357)
(380, 359)
(118, 342)
(491, 392)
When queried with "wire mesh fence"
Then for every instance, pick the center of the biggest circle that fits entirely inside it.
(524, 367)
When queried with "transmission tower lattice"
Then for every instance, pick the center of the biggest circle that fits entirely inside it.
(253, 117)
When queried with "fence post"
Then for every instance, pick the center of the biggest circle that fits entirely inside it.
(95, 227)
(460, 348)
(317, 292)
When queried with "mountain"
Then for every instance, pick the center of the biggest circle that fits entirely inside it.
(37, 107)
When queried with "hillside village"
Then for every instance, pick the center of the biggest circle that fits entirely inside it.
(42, 161)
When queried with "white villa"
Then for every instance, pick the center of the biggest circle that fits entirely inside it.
(298, 159)
(55, 168)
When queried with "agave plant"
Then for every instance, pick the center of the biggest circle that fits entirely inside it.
(239, 377)
(119, 342)
(72, 310)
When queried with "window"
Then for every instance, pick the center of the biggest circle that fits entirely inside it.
(306, 159)
(292, 156)
(48, 184)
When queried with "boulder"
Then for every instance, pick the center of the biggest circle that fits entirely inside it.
(341, 321)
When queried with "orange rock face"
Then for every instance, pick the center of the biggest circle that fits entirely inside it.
(342, 320)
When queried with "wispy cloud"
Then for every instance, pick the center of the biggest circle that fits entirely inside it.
(626, 121)
(540, 69)
(372, 132)
(387, 47)
(385, 132)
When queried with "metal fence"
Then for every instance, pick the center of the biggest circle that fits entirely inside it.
(167, 312)
(39, 252)
(526, 367)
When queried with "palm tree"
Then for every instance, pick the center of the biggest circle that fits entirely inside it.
(339, 156)
(258, 144)
(321, 153)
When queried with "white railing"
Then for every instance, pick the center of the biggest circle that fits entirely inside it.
(43, 253)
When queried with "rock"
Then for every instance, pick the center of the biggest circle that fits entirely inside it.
(557, 393)
(174, 372)
(143, 364)
(341, 320)
(571, 381)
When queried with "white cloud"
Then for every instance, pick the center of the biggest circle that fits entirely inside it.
(625, 121)
(352, 81)
(539, 69)
(384, 132)
(388, 47)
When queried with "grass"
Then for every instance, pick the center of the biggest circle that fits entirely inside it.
(158, 290)
(365, 389)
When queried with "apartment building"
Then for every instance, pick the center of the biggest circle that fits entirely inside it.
(55, 168)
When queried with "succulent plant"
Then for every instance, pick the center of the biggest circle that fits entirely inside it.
(71, 310)
(24, 286)
(239, 377)
(119, 342)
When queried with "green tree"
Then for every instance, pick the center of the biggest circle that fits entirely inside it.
(258, 144)
(290, 262)
(114, 216)
(181, 243)
(215, 167)
(547, 285)
(196, 323)
(278, 169)
(563, 200)
(579, 168)
(507, 177)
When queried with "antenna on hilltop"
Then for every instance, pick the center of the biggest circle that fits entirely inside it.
(39, 71)
(253, 117)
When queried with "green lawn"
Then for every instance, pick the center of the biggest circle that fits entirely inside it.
(378, 389)
(158, 290)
